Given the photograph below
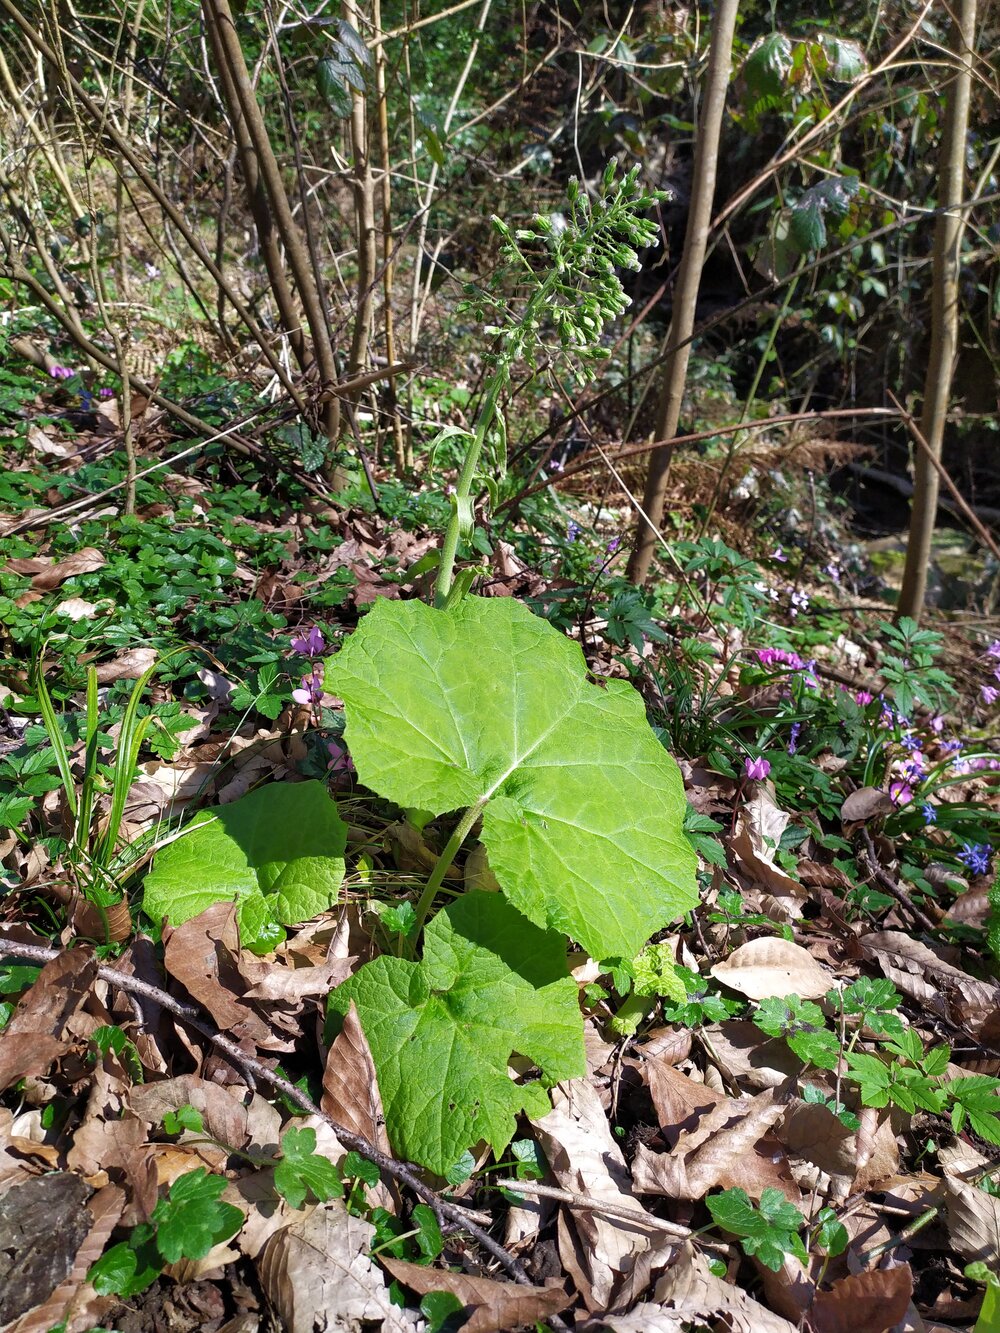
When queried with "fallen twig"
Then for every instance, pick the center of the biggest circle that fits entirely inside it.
(400, 1171)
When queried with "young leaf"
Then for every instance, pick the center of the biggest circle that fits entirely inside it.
(302, 1170)
(487, 704)
(193, 1218)
(279, 852)
(770, 1231)
(185, 1117)
(442, 1031)
(976, 1097)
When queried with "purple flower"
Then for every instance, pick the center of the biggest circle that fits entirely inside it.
(756, 769)
(310, 644)
(832, 570)
(105, 393)
(340, 760)
(778, 554)
(311, 691)
(929, 813)
(780, 657)
(61, 372)
(994, 649)
(573, 531)
(863, 698)
(951, 746)
(989, 694)
(936, 724)
(613, 545)
(901, 793)
(793, 737)
(976, 855)
(911, 743)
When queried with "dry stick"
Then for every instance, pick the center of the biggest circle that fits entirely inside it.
(124, 147)
(249, 1064)
(961, 504)
(944, 344)
(363, 189)
(888, 883)
(388, 267)
(307, 281)
(267, 239)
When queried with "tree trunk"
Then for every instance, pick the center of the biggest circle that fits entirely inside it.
(944, 312)
(688, 279)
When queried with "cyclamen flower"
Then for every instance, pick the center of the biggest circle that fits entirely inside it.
(863, 698)
(311, 691)
(936, 724)
(340, 760)
(310, 644)
(756, 769)
(778, 554)
(976, 855)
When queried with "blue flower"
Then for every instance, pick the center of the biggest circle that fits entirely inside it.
(793, 736)
(976, 855)
(929, 813)
(573, 531)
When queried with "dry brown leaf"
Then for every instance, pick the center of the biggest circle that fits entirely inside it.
(351, 1095)
(201, 954)
(47, 572)
(222, 1110)
(316, 1273)
(863, 1302)
(866, 803)
(585, 1159)
(75, 608)
(972, 1216)
(678, 1100)
(749, 1058)
(129, 665)
(758, 835)
(772, 966)
(922, 974)
(495, 1306)
(690, 1288)
(34, 1037)
(718, 1151)
(644, 1318)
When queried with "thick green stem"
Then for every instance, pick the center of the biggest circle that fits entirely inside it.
(463, 489)
(443, 863)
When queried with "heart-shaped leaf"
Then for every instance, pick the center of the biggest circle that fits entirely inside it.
(442, 1031)
(487, 704)
(279, 853)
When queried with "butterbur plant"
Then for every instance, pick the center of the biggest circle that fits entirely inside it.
(477, 710)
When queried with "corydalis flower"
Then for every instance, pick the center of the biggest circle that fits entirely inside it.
(976, 855)
(756, 769)
(863, 698)
(793, 737)
(310, 644)
(61, 372)
(989, 694)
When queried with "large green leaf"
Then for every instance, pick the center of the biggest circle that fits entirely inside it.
(278, 853)
(487, 703)
(442, 1031)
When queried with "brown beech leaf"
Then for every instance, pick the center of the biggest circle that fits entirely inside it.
(316, 1274)
(47, 572)
(972, 1216)
(585, 1159)
(922, 974)
(679, 1101)
(495, 1306)
(690, 1288)
(772, 966)
(718, 1151)
(129, 665)
(864, 1302)
(758, 834)
(866, 803)
(351, 1095)
(201, 954)
(34, 1037)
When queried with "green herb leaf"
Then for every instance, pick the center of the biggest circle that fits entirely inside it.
(770, 1231)
(279, 853)
(302, 1170)
(193, 1218)
(442, 1031)
(488, 704)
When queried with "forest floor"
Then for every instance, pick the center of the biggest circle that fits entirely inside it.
(789, 1116)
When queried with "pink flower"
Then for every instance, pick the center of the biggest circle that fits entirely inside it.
(994, 649)
(863, 698)
(901, 793)
(989, 694)
(310, 644)
(311, 691)
(936, 724)
(340, 760)
(756, 769)
(778, 554)
(61, 372)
